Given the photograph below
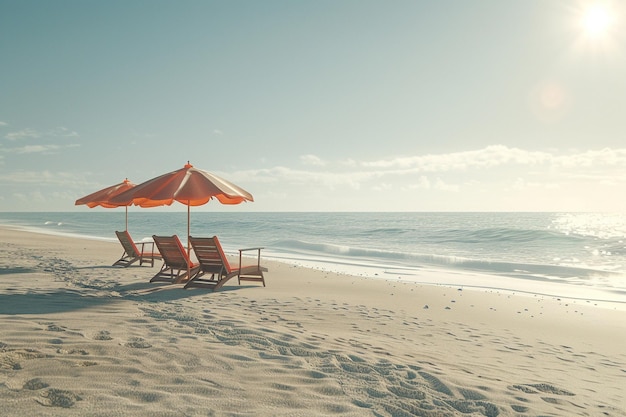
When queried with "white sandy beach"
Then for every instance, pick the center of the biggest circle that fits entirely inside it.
(81, 338)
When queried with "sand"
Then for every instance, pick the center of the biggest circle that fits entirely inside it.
(81, 338)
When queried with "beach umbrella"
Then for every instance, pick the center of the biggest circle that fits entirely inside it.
(189, 186)
(103, 197)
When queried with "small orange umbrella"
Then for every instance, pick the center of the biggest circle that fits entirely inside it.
(190, 186)
(103, 197)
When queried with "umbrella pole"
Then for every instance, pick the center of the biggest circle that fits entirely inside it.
(188, 233)
(126, 217)
(188, 240)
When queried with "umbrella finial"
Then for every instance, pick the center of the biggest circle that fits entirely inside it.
(188, 165)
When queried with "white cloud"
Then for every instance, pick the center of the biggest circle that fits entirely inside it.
(29, 133)
(35, 149)
(311, 160)
(284, 175)
(591, 158)
(490, 165)
(40, 177)
(41, 149)
(23, 134)
(490, 156)
(3, 123)
(606, 165)
(63, 132)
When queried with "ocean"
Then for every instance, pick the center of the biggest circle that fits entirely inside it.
(578, 255)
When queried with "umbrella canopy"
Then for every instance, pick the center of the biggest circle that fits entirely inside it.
(188, 185)
(103, 197)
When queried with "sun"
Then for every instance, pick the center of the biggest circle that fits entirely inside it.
(597, 20)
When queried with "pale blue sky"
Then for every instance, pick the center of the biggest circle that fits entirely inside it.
(321, 105)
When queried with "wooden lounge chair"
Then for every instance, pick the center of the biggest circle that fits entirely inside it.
(132, 253)
(214, 269)
(176, 263)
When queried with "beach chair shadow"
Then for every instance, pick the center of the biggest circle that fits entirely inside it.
(214, 269)
(132, 253)
(176, 262)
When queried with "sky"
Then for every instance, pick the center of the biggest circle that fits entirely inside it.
(318, 105)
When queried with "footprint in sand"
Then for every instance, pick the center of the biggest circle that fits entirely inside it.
(58, 398)
(138, 343)
(82, 352)
(545, 388)
(435, 383)
(35, 384)
(103, 335)
(10, 358)
(54, 328)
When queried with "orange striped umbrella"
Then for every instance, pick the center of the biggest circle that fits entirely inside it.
(188, 185)
(103, 197)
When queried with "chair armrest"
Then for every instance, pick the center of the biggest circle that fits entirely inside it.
(143, 244)
(241, 251)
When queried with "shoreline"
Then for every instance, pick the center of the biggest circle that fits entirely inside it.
(473, 280)
(82, 338)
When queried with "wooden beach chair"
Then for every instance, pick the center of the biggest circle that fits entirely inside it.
(215, 270)
(132, 254)
(176, 263)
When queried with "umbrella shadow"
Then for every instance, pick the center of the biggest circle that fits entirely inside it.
(63, 301)
(147, 288)
(47, 302)
(148, 291)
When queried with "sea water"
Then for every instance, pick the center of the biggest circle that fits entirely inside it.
(582, 255)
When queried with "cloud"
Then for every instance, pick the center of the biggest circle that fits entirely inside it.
(311, 160)
(37, 149)
(302, 178)
(3, 123)
(63, 132)
(490, 156)
(606, 156)
(484, 170)
(23, 134)
(29, 133)
(40, 177)
(601, 164)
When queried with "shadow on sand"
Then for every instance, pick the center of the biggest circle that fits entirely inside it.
(65, 300)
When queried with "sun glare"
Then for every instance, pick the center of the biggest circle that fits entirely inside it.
(597, 20)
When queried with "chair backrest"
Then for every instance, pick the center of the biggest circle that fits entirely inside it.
(172, 251)
(127, 243)
(210, 255)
